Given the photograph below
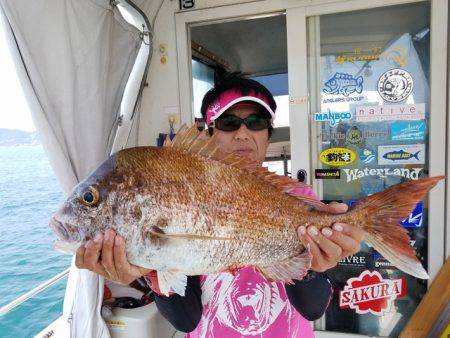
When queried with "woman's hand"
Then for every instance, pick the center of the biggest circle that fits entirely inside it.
(330, 245)
(106, 256)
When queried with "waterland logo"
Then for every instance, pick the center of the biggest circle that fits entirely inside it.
(408, 131)
(371, 293)
(344, 84)
(401, 154)
(337, 156)
(332, 117)
(356, 174)
(367, 155)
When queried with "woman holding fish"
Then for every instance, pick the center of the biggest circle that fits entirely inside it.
(240, 114)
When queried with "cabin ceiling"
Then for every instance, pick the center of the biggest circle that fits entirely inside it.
(258, 46)
(255, 46)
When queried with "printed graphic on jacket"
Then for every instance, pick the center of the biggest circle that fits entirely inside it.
(247, 305)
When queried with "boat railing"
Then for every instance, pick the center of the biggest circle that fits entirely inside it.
(38, 289)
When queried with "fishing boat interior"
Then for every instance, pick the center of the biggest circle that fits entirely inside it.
(103, 75)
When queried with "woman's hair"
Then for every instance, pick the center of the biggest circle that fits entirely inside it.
(242, 84)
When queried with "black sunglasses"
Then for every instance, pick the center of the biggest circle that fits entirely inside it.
(233, 122)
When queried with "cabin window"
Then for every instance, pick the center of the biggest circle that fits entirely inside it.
(202, 81)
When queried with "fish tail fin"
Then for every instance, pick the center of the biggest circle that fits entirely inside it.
(416, 155)
(383, 211)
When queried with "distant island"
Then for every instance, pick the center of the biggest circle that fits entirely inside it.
(14, 137)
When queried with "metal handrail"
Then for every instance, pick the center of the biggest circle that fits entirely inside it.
(38, 289)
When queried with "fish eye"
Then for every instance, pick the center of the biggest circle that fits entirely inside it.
(90, 197)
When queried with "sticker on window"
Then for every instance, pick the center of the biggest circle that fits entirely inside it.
(401, 154)
(371, 293)
(337, 156)
(408, 131)
(390, 112)
(395, 85)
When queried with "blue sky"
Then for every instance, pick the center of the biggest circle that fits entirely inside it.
(14, 112)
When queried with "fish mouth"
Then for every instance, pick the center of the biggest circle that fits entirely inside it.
(64, 232)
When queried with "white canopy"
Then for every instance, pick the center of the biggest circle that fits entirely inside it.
(74, 59)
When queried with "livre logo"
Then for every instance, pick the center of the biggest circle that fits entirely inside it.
(370, 293)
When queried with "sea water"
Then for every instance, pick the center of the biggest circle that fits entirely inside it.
(29, 194)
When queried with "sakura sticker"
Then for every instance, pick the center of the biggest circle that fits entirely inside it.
(371, 293)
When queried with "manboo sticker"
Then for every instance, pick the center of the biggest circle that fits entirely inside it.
(371, 293)
(332, 117)
(337, 156)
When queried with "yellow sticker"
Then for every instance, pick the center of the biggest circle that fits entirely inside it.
(337, 156)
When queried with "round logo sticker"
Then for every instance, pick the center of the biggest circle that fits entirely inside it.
(354, 136)
(395, 85)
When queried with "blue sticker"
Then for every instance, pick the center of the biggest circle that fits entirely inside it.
(367, 155)
(371, 186)
(398, 155)
(351, 203)
(408, 131)
(415, 219)
(344, 84)
(401, 154)
(331, 117)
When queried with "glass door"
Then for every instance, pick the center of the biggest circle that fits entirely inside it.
(369, 89)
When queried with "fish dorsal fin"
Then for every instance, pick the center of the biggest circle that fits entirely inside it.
(196, 142)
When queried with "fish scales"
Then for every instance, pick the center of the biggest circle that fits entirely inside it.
(189, 212)
(242, 195)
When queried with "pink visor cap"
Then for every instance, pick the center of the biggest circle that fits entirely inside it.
(229, 98)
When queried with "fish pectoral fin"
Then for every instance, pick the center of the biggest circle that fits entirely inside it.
(285, 271)
(65, 247)
(172, 281)
(158, 232)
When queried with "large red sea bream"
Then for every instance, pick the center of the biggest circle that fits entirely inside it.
(190, 209)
